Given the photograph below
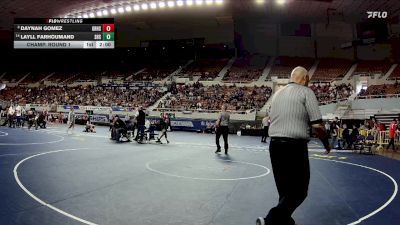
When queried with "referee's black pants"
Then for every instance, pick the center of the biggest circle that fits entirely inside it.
(224, 131)
(391, 143)
(290, 165)
(264, 134)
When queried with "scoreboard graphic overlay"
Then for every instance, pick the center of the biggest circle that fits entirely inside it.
(64, 33)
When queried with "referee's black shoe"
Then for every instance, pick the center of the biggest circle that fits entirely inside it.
(262, 221)
(218, 150)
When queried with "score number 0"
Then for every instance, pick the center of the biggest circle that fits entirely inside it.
(108, 27)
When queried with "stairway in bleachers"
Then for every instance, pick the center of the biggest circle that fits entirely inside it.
(342, 109)
(134, 74)
(313, 69)
(70, 78)
(386, 118)
(266, 70)
(390, 71)
(177, 71)
(349, 73)
(155, 105)
(47, 77)
(225, 69)
(23, 78)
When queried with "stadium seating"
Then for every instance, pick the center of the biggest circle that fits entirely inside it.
(395, 74)
(117, 74)
(59, 77)
(383, 89)
(89, 95)
(199, 97)
(207, 69)
(13, 77)
(327, 92)
(87, 76)
(246, 69)
(331, 69)
(156, 71)
(371, 68)
(34, 77)
(283, 65)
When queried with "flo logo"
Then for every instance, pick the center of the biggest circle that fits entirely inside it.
(377, 14)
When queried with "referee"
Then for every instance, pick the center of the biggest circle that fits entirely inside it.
(293, 109)
(222, 128)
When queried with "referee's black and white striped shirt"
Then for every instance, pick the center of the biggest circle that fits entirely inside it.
(292, 109)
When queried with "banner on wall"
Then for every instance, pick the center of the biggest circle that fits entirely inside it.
(99, 119)
(93, 118)
(187, 124)
(118, 109)
(95, 108)
(76, 107)
(192, 125)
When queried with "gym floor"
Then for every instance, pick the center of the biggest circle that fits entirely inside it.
(50, 177)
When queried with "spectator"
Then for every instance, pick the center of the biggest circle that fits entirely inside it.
(265, 122)
(141, 121)
(334, 130)
(346, 137)
(199, 97)
(354, 134)
(392, 134)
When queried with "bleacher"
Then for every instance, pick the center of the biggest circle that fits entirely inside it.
(331, 69)
(207, 69)
(372, 68)
(13, 76)
(186, 97)
(200, 97)
(156, 71)
(117, 74)
(83, 95)
(383, 89)
(34, 77)
(283, 65)
(326, 92)
(87, 76)
(395, 74)
(59, 77)
(246, 69)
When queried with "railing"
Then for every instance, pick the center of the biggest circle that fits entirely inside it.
(334, 101)
(383, 138)
(189, 111)
(378, 96)
(380, 137)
